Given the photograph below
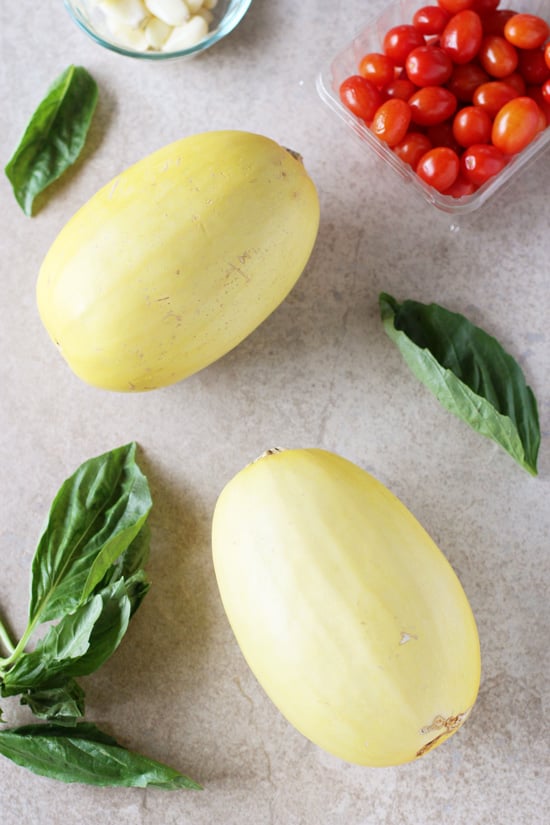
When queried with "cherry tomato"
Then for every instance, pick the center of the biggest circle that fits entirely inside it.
(526, 31)
(400, 40)
(441, 134)
(412, 147)
(462, 36)
(430, 19)
(532, 65)
(515, 125)
(547, 54)
(516, 81)
(432, 104)
(454, 6)
(481, 162)
(492, 96)
(495, 21)
(483, 6)
(401, 87)
(378, 68)
(472, 125)
(428, 66)
(361, 97)
(540, 98)
(545, 90)
(439, 167)
(461, 187)
(497, 56)
(391, 121)
(465, 79)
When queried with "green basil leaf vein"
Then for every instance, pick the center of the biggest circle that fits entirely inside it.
(85, 754)
(54, 136)
(469, 372)
(94, 518)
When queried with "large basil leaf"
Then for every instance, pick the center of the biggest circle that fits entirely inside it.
(94, 518)
(83, 753)
(54, 136)
(80, 643)
(469, 373)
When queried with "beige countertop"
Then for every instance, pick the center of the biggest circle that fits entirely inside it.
(320, 372)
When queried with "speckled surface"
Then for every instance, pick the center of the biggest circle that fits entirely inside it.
(319, 372)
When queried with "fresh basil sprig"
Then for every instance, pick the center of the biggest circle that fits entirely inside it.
(469, 372)
(88, 579)
(54, 137)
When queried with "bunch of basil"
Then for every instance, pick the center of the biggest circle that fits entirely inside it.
(87, 581)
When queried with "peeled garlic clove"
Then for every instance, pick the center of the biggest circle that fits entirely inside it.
(156, 33)
(128, 36)
(183, 37)
(207, 15)
(171, 12)
(194, 6)
(129, 12)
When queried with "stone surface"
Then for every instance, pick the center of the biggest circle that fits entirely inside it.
(319, 372)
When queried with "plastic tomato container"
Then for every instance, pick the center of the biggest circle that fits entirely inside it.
(369, 39)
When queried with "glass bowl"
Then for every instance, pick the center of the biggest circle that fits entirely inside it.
(369, 39)
(226, 15)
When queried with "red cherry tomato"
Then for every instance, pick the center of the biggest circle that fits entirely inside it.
(532, 66)
(460, 187)
(472, 125)
(545, 89)
(361, 97)
(439, 167)
(515, 125)
(432, 104)
(454, 6)
(497, 56)
(465, 79)
(441, 134)
(401, 87)
(492, 96)
(428, 66)
(483, 6)
(400, 40)
(391, 121)
(516, 81)
(481, 162)
(430, 19)
(547, 54)
(462, 36)
(540, 98)
(378, 68)
(526, 31)
(495, 21)
(412, 147)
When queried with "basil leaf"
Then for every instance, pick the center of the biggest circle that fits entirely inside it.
(95, 516)
(64, 704)
(81, 642)
(85, 754)
(469, 373)
(54, 136)
(131, 560)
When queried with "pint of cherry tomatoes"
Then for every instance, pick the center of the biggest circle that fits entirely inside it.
(457, 90)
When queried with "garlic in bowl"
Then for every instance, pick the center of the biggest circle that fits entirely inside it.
(157, 29)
